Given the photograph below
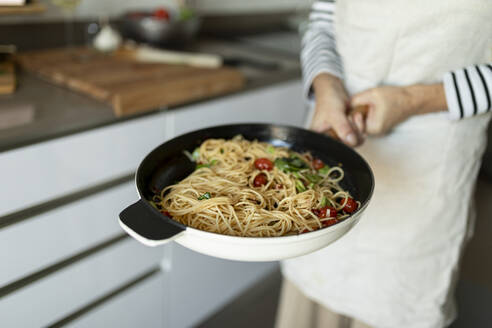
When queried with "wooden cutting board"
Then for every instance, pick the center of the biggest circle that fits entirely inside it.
(7, 77)
(129, 86)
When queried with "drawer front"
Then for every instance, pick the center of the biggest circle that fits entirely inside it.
(63, 292)
(139, 306)
(37, 173)
(43, 240)
(205, 284)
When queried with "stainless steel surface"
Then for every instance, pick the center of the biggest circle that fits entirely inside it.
(158, 31)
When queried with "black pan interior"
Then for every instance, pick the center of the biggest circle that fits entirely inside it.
(167, 164)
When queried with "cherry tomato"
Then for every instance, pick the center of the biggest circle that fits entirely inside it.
(329, 222)
(318, 164)
(326, 211)
(350, 206)
(260, 180)
(166, 213)
(264, 164)
(305, 230)
(161, 14)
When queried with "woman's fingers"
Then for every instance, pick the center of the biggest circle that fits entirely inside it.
(359, 122)
(320, 122)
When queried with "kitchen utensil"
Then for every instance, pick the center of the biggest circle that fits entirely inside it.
(147, 54)
(167, 164)
(129, 86)
(145, 27)
(362, 109)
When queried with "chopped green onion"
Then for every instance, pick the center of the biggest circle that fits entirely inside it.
(196, 154)
(205, 196)
(324, 170)
(199, 166)
(221, 150)
(324, 201)
(314, 178)
(212, 162)
(154, 205)
(282, 165)
(270, 149)
(297, 175)
(311, 185)
(290, 164)
(300, 186)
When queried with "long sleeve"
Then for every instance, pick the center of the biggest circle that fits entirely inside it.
(319, 54)
(468, 91)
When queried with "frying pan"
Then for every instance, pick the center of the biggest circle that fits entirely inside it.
(167, 165)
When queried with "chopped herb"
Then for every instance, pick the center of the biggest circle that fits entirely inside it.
(324, 170)
(297, 175)
(199, 166)
(324, 202)
(196, 154)
(311, 185)
(290, 164)
(313, 178)
(212, 162)
(271, 149)
(205, 196)
(300, 186)
(221, 150)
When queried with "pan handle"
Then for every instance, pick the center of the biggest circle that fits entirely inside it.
(149, 226)
(363, 109)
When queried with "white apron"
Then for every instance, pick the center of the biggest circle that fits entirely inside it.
(397, 267)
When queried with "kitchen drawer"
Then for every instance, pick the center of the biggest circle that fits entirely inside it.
(63, 292)
(279, 104)
(37, 173)
(205, 284)
(42, 240)
(139, 306)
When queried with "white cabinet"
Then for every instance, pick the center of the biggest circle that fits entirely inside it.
(47, 300)
(35, 174)
(42, 240)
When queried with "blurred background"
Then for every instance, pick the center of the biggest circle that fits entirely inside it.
(87, 89)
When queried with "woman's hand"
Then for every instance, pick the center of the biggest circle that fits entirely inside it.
(389, 106)
(331, 109)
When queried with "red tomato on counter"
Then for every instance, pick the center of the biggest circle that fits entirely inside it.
(161, 14)
(264, 164)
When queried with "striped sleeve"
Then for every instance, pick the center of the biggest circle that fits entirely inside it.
(319, 54)
(468, 91)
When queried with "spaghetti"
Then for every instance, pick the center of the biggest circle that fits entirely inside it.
(253, 189)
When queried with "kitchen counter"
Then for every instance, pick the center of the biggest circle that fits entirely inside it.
(40, 111)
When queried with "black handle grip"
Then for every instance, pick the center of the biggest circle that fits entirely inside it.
(147, 225)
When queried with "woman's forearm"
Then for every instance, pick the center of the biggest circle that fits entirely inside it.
(427, 98)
